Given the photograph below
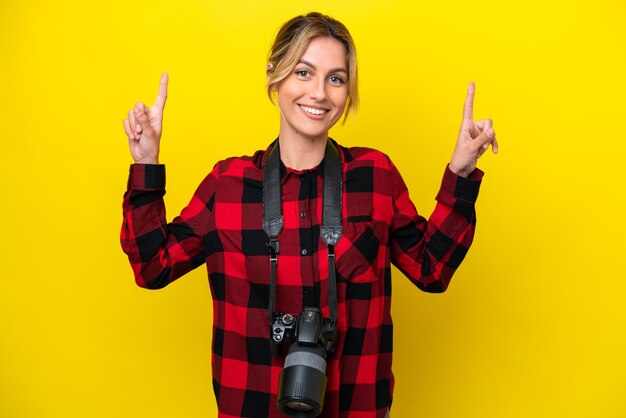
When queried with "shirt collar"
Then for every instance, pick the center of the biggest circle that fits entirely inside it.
(284, 170)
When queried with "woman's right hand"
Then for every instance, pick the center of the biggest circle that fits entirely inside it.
(144, 126)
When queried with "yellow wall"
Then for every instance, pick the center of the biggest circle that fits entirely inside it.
(533, 324)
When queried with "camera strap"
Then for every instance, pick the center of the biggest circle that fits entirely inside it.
(331, 218)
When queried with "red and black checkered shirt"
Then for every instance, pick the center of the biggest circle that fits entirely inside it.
(222, 227)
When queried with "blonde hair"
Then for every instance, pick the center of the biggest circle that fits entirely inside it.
(291, 42)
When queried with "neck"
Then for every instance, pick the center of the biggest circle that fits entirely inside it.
(300, 153)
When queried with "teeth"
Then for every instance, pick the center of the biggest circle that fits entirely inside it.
(313, 111)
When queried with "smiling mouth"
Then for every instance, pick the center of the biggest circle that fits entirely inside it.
(313, 110)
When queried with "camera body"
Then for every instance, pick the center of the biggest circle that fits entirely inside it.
(309, 338)
(307, 328)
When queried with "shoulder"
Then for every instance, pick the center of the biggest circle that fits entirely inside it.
(367, 170)
(241, 166)
(364, 156)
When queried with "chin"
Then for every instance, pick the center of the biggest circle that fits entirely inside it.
(311, 132)
(313, 136)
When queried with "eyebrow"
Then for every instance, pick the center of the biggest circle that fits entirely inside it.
(332, 70)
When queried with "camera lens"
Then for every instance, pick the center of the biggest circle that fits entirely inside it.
(303, 381)
(298, 406)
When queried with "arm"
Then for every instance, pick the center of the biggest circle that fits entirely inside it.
(159, 252)
(429, 252)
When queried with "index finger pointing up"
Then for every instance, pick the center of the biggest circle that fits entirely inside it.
(162, 96)
(468, 109)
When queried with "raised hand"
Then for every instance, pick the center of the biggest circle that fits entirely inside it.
(474, 139)
(144, 126)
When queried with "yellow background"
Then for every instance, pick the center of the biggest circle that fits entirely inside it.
(533, 324)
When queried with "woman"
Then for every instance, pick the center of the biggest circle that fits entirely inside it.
(312, 71)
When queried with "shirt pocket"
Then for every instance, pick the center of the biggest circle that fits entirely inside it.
(361, 251)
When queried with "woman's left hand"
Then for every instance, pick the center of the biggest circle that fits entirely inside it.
(474, 139)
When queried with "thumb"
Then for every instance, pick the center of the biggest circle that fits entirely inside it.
(141, 114)
(483, 139)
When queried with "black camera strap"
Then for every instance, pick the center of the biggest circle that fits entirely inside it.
(331, 218)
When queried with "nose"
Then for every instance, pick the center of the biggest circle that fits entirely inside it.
(318, 89)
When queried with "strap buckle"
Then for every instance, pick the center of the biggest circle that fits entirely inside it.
(274, 246)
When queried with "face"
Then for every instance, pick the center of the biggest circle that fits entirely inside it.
(312, 98)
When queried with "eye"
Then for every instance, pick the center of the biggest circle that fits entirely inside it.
(303, 74)
(335, 80)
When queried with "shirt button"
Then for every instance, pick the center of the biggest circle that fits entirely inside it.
(306, 291)
(303, 214)
(304, 251)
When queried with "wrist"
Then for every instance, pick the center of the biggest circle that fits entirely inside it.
(459, 171)
(147, 161)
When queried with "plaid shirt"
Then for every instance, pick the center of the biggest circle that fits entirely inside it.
(222, 227)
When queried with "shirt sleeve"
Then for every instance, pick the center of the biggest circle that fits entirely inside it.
(429, 251)
(160, 252)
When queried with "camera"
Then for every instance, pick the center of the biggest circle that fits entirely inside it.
(309, 338)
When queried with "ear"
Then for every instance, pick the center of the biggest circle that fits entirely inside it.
(268, 71)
